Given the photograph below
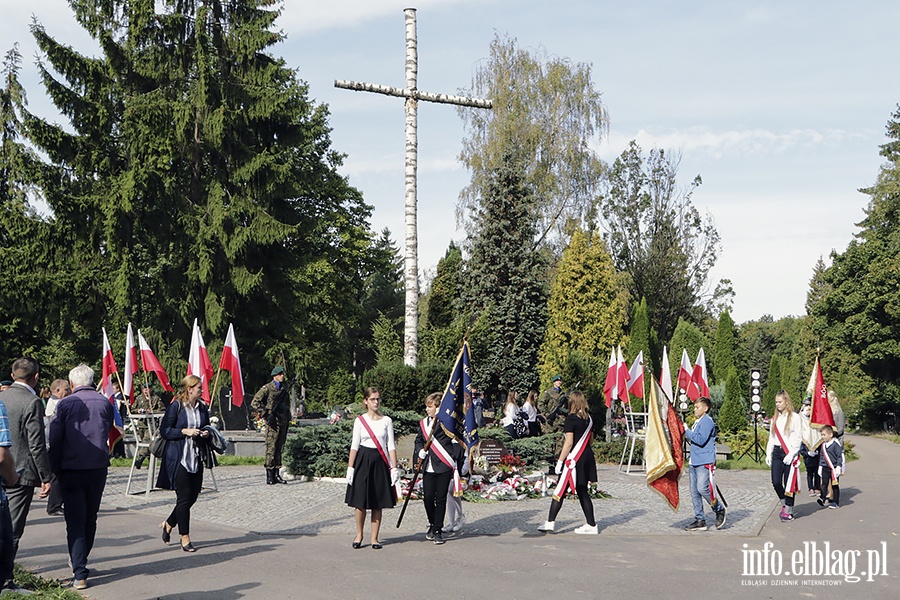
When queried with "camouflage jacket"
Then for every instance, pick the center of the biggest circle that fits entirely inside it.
(269, 398)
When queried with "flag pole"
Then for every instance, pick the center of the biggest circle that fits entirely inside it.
(419, 464)
(216, 394)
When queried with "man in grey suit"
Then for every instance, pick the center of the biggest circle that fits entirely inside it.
(29, 448)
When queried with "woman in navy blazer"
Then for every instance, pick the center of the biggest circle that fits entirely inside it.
(182, 469)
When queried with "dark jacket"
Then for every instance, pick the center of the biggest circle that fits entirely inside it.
(170, 428)
(79, 433)
(272, 399)
(457, 454)
(26, 429)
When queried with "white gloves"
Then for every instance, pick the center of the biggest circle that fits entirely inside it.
(422, 454)
(788, 459)
(559, 467)
(838, 472)
(395, 476)
(349, 475)
(768, 460)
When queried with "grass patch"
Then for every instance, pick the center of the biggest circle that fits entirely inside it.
(745, 462)
(42, 588)
(224, 461)
(891, 437)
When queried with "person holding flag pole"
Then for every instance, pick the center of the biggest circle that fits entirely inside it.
(576, 465)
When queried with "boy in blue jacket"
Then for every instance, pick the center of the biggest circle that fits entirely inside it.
(703, 466)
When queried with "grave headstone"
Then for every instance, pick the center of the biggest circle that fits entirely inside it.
(493, 451)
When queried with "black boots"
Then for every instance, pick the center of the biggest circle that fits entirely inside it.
(273, 476)
(140, 461)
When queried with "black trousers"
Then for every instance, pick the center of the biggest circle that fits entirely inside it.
(826, 484)
(187, 488)
(435, 486)
(587, 506)
(780, 475)
(81, 491)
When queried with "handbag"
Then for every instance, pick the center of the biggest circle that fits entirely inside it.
(158, 443)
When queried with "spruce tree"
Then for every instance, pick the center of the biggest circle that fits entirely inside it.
(195, 178)
(686, 336)
(507, 280)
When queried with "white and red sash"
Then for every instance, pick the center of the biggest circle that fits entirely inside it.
(793, 483)
(445, 457)
(567, 477)
(384, 456)
(834, 479)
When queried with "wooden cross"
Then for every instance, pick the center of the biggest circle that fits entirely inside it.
(412, 95)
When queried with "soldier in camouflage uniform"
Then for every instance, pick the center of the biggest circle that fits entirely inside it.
(146, 402)
(273, 403)
(548, 401)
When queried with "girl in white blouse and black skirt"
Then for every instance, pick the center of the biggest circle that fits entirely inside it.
(372, 468)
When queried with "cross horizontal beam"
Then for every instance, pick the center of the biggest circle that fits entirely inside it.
(407, 93)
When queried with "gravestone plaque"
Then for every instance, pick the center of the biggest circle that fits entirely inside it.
(493, 451)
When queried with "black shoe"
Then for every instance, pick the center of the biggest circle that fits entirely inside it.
(270, 476)
(429, 535)
(189, 547)
(166, 534)
(438, 538)
(720, 518)
(139, 462)
(276, 472)
(357, 545)
(697, 525)
(822, 501)
(377, 546)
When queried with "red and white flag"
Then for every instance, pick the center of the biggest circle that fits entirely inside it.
(151, 363)
(700, 376)
(665, 377)
(685, 377)
(610, 390)
(622, 377)
(198, 361)
(636, 376)
(131, 365)
(231, 362)
(108, 368)
(821, 413)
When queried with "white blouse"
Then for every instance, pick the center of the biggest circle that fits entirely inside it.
(791, 435)
(383, 429)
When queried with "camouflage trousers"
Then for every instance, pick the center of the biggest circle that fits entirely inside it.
(275, 438)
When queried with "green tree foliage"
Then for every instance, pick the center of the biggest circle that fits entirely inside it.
(507, 282)
(773, 385)
(856, 308)
(195, 178)
(732, 415)
(723, 351)
(547, 108)
(446, 318)
(686, 336)
(642, 338)
(588, 306)
(658, 237)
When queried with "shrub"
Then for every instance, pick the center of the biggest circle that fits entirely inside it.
(397, 383)
(742, 441)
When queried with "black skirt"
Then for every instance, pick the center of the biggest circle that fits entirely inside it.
(371, 482)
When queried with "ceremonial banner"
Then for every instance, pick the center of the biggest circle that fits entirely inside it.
(231, 362)
(108, 367)
(151, 363)
(456, 413)
(663, 447)
(821, 410)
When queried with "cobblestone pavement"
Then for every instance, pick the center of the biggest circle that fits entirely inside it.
(244, 502)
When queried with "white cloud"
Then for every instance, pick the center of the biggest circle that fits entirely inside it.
(721, 143)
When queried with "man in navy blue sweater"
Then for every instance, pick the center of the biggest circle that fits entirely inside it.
(79, 455)
(703, 466)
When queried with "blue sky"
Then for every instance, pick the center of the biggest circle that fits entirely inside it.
(779, 106)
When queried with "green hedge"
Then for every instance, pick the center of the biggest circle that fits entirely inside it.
(323, 450)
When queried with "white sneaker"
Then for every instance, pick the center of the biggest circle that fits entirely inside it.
(548, 527)
(459, 523)
(587, 529)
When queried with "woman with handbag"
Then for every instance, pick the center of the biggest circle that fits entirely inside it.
(512, 421)
(371, 475)
(182, 470)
